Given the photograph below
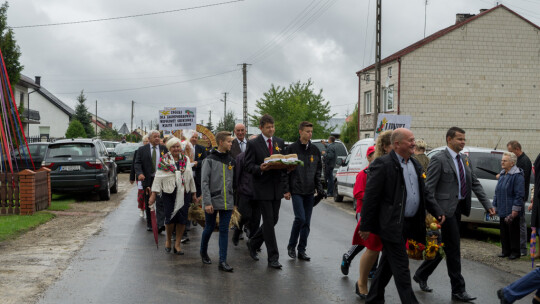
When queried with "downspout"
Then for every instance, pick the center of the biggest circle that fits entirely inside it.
(399, 85)
(359, 94)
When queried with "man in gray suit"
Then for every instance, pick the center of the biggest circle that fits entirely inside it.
(450, 180)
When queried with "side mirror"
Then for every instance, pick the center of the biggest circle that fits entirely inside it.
(342, 162)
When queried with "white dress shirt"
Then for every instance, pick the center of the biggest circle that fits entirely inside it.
(454, 154)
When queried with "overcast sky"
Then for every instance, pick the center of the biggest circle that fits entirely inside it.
(190, 57)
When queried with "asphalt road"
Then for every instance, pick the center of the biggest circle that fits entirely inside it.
(122, 265)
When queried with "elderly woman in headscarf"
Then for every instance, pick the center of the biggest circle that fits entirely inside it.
(508, 201)
(174, 180)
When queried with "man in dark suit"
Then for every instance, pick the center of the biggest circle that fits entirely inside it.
(200, 155)
(146, 163)
(267, 188)
(239, 143)
(395, 208)
(450, 182)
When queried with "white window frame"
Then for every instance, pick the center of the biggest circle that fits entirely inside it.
(367, 103)
(389, 71)
(387, 94)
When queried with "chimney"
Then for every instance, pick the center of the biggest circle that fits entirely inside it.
(483, 10)
(38, 80)
(462, 17)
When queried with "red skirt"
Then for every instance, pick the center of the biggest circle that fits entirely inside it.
(373, 242)
(140, 199)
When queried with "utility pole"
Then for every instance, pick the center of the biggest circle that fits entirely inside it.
(96, 120)
(245, 107)
(224, 107)
(143, 127)
(132, 104)
(425, 17)
(377, 66)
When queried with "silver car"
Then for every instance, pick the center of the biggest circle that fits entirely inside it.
(486, 164)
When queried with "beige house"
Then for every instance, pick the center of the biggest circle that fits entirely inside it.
(481, 74)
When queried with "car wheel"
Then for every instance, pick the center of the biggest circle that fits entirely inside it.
(114, 188)
(105, 194)
(337, 198)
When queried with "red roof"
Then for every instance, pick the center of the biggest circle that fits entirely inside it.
(439, 34)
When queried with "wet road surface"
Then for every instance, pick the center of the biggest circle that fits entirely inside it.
(122, 265)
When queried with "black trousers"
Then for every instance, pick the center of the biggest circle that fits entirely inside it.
(510, 237)
(452, 249)
(251, 214)
(266, 233)
(394, 262)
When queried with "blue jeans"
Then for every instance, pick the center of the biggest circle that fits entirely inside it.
(303, 207)
(524, 286)
(210, 224)
(329, 176)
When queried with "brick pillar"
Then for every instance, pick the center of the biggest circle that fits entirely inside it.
(48, 182)
(27, 187)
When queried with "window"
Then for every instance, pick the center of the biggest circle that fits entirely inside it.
(390, 72)
(366, 77)
(388, 98)
(367, 103)
(21, 102)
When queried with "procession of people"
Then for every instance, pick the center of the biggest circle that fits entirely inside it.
(394, 194)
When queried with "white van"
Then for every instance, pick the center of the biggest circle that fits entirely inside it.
(349, 168)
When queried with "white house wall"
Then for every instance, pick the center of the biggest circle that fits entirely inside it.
(50, 116)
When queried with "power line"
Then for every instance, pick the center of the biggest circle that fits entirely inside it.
(152, 86)
(125, 17)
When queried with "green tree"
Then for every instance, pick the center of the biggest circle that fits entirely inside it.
(75, 129)
(289, 107)
(229, 123)
(209, 125)
(109, 134)
(9, 47)
(83, 116)
(349, 130)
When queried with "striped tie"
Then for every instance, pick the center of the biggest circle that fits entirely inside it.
(462, 178)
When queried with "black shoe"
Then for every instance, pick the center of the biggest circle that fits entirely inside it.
(345, 264)
(462, 297)
(500, 295)
(423, 284)
(303, 256)
(184, 240)
(292, 252)
(206, 259)
(178, 252)
(252, 251)
(274, 264)
(161, 229)
(514, 256)
(148, 228)
(223, 266)
(236, 236)
(361, 295)
(502, 255)
(167, 249)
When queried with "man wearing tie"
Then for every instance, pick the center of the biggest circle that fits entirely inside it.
(146, 162)
(267, 188)
(450, 181)
(239, 143)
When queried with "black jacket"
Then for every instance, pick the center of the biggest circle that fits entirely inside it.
(132, 176)
(267, 185)
(524, 163)
(200, 155)
(330, 158)
(143, 163)
(304, 180)
(243, 179)
(384, 201)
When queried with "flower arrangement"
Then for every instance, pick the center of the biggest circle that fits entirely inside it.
(414, 249)
(432, 248)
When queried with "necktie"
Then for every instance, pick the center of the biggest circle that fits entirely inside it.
(153, 159)
(270, 146)
(242, 146)
(462, 178)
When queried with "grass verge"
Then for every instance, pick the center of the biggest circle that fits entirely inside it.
(60, 202)
(13, 225)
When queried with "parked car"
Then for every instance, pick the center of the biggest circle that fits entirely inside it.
(124, 155)
(37, 152)
(486, 164)
(349, 167)
(341, 151)
(110, 145)
(81, 165)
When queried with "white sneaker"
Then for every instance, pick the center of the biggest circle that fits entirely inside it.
(141, 214)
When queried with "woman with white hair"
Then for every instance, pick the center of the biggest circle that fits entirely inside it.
(508, 201)
(174, 180)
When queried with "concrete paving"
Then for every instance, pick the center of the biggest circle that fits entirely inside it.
(122, 265)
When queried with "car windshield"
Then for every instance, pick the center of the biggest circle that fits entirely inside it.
(126, 148)
(73, 150)
(35, 150)
(340, 148)
(486, 165)
(110, 144)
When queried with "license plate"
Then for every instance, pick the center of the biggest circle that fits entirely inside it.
(70, 168)
(493, 219)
